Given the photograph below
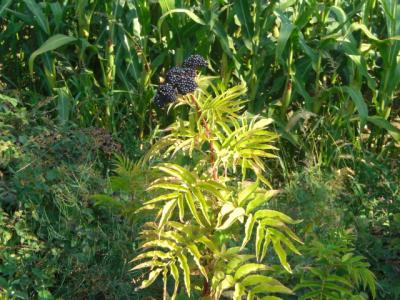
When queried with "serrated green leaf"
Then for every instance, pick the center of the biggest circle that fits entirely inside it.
(259, 239)
(186, 271)
(168, 186)
(148, 264)
(152, 277)
(260, 199)
(235, 261)
(339, 279)
(203, 205)
(193, 209)
(163, 197)
(248, 269)
(239, 292)
(152, 254)
(176, 237)
(281, 254)
(161, 244)
(167, 212)
(267, 213)
(256, 279)
(178, 172)
(225, 284)
(266, 288)
(194, 251)
(248, 229)
(267, 241)
(310, 295)
(246, 193)
(209, 244)
(181, 208)
(175, 274)
(233, 216)
(284, 239)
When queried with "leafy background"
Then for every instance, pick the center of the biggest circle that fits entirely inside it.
(77, 80)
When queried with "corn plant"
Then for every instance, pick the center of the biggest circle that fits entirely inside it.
(98, 60)
(207, 212)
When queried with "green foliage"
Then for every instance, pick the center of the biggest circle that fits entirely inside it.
(373, 199)
(53, 242)
(331, 266)
(99, 60)
(202, 207)
(336, 272)
(323, 74)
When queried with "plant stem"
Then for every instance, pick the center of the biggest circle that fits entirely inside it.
(208, 135)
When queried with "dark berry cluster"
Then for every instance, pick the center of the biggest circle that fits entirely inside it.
(182, 79)
(179, 80)
(195, 61)
(175, 74)
(166, 93)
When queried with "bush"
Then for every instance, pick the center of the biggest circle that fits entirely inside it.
(54, 242)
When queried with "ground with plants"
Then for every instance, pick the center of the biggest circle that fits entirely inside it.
(204, 149)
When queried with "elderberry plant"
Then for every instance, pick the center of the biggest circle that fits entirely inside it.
(206, 212)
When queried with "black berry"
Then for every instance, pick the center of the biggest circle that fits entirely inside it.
(166, 93)
(176, 74)
(182, 79)
(195, 61)
(186, 85)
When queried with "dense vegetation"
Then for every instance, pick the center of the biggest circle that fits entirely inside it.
(271, 172)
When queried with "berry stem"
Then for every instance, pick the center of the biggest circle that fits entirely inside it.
(208, 135)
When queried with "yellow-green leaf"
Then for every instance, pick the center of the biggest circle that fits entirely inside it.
(248, 229)
(281, 254)
(167, 212)
(163, 197)
(192, 248)
(152, 254)
(193, 209)
(267, 288)
(160, 244)
(239, 292)
(168, 186)
(260, 199)
(152, 277)
(233, 216)
(267, 241)
(181, 208)
(148, 264)
(186, 271)
(246, 193)
(256, 279)
(249, 268)
(175, 275)
(285, 240)
(267, 213)
(203, 205)
(259, 238)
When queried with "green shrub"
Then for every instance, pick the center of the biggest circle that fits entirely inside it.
(54, 243)
(209, 202)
